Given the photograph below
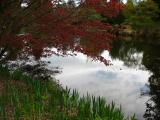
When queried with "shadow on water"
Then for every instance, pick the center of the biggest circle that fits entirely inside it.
(125, 51)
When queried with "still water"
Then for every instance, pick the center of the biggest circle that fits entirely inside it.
(132, 80)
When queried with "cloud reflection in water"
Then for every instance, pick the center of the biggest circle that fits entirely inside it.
(117, 82)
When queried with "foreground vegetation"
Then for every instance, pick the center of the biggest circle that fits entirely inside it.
(22, 97)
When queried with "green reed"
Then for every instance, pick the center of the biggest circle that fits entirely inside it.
(23, 97)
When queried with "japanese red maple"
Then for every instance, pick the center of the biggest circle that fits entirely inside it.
(41, 24)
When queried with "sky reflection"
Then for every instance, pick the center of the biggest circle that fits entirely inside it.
(117, 82)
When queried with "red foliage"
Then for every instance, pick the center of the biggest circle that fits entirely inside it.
(13, 41)
(51, 24)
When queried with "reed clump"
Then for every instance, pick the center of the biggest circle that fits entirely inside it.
(25, 98)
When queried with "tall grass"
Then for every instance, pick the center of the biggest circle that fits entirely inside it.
(22, 97)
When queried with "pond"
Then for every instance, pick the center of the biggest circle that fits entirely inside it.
(132, 80)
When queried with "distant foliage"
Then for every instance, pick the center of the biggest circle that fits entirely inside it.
(141, 14)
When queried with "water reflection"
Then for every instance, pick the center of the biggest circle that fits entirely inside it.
(127, 52)
(132, 80)
(118, 82)
(151, 61)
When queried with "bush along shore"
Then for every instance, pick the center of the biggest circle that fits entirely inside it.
(25, 98)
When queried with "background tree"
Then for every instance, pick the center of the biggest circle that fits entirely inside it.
(142, 14)
(158, 3)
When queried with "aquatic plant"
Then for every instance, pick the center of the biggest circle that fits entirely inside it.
(22, 97)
